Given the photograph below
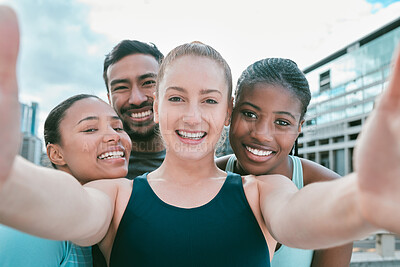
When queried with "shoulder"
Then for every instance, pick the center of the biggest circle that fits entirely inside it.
(314, 172)
(222, 161)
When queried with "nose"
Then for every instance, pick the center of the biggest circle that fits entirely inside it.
(111, 136)
(137, 96)
(263, 131)
(192, 115)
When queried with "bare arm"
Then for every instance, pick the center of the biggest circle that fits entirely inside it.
(54, 205)
(326, 213)
(377, 158)
(331, 257)
(9, 105)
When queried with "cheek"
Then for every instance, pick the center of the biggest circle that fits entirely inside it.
(286, 141)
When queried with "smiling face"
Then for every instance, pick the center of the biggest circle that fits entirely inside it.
(265, 124)
(93, 143)
(131, 83)
(192, 106)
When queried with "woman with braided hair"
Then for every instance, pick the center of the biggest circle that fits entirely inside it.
(271, 100)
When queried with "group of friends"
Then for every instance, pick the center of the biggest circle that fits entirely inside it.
(135, 182)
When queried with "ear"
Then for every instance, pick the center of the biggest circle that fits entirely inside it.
(155, 109)
(54, 152)
(109, 99)
(300, 126)
(229, 112)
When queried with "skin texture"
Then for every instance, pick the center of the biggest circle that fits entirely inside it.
(89, 129)
(381, 136)
(91, 214)
(131, 81)
(267, 118)
(9, 47)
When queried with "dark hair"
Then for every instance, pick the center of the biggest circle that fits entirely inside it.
(126, 48)
(196, 49)
(52, 124)
(276, 71)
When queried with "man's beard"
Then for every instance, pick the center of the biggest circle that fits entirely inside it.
(136, 136)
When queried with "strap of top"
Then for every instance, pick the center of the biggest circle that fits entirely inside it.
(297, 176)
(230, 165)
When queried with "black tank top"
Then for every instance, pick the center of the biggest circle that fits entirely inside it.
(223, 232)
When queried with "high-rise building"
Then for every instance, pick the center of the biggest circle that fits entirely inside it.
(31, 146)
(344, 86)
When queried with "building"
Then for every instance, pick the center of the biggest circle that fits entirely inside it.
(31, 147)
(344, 86)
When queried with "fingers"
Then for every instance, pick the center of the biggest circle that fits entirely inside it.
(391, 96)
(9, 46)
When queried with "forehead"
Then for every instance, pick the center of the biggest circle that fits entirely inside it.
(194, 72)
(87, 107)
(131, 66)
(267, 96)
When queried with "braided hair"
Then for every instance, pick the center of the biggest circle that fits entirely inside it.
(277, 71)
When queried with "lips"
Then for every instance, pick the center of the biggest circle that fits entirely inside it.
(258, 152)
(141, 115)
(191, 135)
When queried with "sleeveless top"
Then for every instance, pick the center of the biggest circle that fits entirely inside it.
(286, 256)
(223, 232)
(21, 249)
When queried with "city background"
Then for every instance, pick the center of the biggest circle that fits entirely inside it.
(345, 75)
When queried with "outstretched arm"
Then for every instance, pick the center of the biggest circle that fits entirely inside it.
(52, 204)
(326, 213)
(37, 200)
(377, 158)
(9, 105)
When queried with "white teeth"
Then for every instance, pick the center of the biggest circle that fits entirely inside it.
(258, 152)
(141, 114)
(197, 135)
(111, 155)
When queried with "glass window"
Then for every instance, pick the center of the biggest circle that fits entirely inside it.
(372, 77)
(354, 110)
(339, 161)
(372, 91)
(354, 97)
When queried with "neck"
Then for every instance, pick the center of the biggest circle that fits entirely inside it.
(153, 144)
(284, 168)
(188, 171)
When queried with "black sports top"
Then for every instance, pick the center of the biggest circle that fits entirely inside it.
(223, 232)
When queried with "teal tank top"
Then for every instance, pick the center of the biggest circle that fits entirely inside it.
(21, 249)
(287, 256)
(223, 232)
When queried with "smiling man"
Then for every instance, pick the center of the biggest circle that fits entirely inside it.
(130, 72)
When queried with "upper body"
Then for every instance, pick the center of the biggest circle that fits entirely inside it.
(201, 235)
(191, 107)
(272, 96)
(130, 72)
(21, 249)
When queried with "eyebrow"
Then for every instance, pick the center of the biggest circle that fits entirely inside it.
(113, 82)
(202, 91)
(141, 77)
(147, 75)
(90, 118)
(275, 112)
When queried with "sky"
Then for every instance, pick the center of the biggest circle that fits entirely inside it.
(63, 42)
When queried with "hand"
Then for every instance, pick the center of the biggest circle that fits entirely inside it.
(377, 159)
(9, 105)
